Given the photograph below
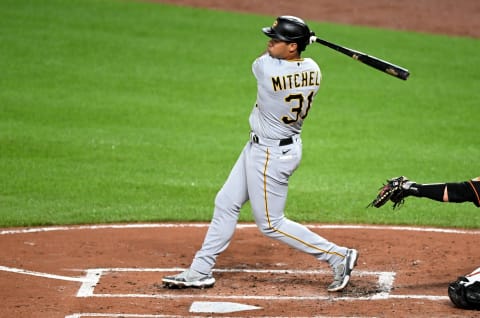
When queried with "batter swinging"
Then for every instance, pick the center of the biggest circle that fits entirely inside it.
(286, 86)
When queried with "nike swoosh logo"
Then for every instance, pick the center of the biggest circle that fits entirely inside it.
(285, 151)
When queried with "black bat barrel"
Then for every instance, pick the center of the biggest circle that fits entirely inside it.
(369, 60)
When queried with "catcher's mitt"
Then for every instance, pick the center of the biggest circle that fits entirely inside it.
(393, 190)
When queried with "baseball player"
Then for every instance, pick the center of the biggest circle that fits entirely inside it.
(465, 291)
(286, 87)
(397, 189)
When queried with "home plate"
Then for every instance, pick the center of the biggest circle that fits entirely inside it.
(219, 307)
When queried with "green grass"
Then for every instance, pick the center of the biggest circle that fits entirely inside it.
(119, 111)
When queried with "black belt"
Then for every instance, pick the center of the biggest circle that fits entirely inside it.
(281, 142)
(286, 141)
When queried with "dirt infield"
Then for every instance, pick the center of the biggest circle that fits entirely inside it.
(115, 270)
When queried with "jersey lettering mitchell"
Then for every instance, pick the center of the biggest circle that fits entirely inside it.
(296, 80)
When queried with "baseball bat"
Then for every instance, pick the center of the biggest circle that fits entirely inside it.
(369, 60)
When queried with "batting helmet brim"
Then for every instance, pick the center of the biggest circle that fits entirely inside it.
(270, 32)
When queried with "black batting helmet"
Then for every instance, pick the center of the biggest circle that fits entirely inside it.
(290, 29)
(464, 293)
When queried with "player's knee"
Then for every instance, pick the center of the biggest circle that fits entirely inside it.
(224, 203)
(268, 227)
(265, 230)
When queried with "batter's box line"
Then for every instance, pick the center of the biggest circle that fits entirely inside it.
(93, 276)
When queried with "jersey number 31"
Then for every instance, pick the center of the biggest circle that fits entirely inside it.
(298, 110)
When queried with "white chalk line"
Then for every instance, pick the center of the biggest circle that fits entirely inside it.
(239, 226)
(385, 279)
(239, 270)
(385, 284)
(379, 296)
(92, 277)
(45, 275)
(80, 315)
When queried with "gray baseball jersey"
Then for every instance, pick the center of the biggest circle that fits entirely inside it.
(261, 173)
(285, 91)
